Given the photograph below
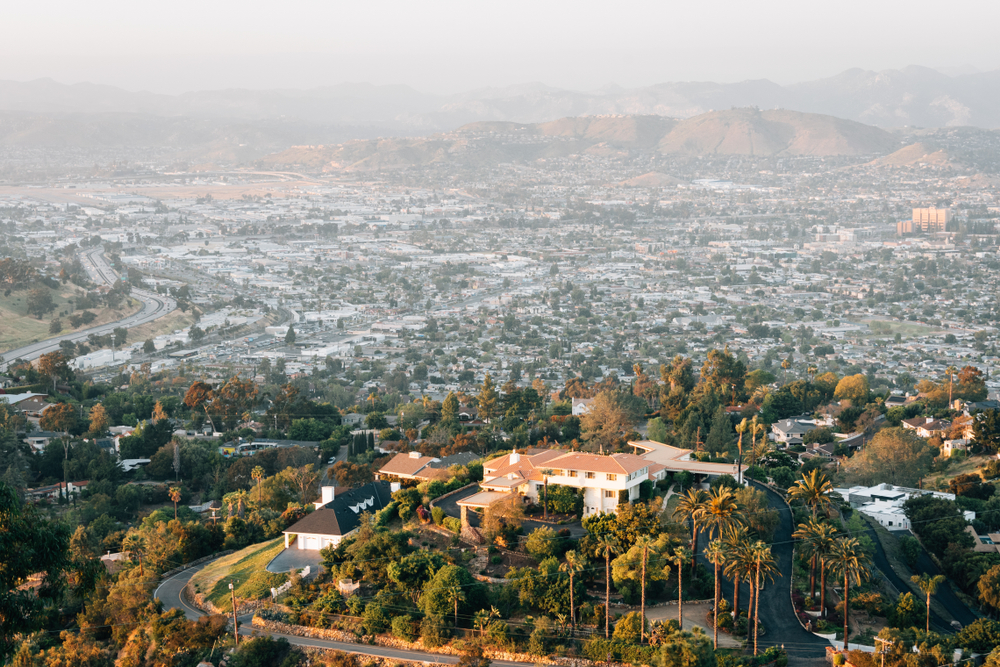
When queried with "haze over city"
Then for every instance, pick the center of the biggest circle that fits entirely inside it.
(579, 334)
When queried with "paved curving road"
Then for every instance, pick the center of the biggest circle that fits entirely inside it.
(169, 592)
(777, 615)
(154, 306)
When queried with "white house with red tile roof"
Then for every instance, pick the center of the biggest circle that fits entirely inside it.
(603, 479)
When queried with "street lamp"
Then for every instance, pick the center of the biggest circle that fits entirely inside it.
(236, 621)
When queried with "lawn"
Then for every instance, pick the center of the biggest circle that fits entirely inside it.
(245, 569)
(944, 472)
(668, 510)
(19, 328)
(905, 328)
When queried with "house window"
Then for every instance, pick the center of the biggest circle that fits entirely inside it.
(612, 477)
(589, 475)
(609, 494)
(571, 473)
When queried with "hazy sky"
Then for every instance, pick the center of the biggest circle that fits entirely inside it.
(443, 46)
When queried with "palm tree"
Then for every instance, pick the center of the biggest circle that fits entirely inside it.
(764, 567)
(741, 428)
(455, 595)
(812, 370)
(175, 496)
(785, 365)
(759, 428)
(824, 541)
(951, 370)
(646, 544)
(237, 502)
(816, 541)
(692, 505)
(134, 545)
(574, 564)
(738, 560)
(761, 449)
(545, 502)
(483, 618)
(716, 556)
(849, 561)
(607, 545)
(928, 585)
(258, 474)
(680, 555)
(812, 490)
(721, 512)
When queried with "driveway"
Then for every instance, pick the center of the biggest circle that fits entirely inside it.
(695, 615)
(945, 594)
(777, 615)
(296, 559)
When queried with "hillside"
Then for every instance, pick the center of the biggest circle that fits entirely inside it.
(915, 154)
(774, 132)
(733, 132)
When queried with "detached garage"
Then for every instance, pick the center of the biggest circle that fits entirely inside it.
(333, 521)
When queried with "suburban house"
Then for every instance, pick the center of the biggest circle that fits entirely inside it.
(39, 440)
(988, 543)
(414, 465)
(884, 503)
(336, 518)
(790, 431)
(604, 480)
(927, 427)
(581, 406)
(950, 447)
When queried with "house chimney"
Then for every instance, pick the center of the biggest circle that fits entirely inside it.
(414, 455)
(929, 420)
(327, 492)
(514, 457)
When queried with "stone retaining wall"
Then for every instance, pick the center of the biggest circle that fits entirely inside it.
(391, 642)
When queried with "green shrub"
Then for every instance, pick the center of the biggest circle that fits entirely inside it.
(402, 627)
(438, 515)
(434, 631)
(496, 559)
(452, 524)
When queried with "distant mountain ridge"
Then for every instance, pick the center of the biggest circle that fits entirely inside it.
(733, 132)
(913, 96)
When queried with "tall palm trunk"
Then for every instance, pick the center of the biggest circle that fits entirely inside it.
(607, 593)
(694, 541)
(750, 606)
(812, 578)
(822, 588)
(736, 597)
(756, 608)
(642, 604)
(928, 612)
(572, 608)
(680, 594)
(715, 613)
(846, 606)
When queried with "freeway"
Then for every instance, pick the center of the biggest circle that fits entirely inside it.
(154, 306)
(169, 593)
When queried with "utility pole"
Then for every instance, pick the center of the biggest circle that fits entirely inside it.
(236, 622)
(886, 643)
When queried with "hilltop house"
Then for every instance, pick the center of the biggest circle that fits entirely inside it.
(413, 465)
(603, 480)
(337, 517)
(790, 431)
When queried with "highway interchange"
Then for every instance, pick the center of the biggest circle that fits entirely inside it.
(154, 306)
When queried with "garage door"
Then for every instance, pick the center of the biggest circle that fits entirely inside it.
(309, 543)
